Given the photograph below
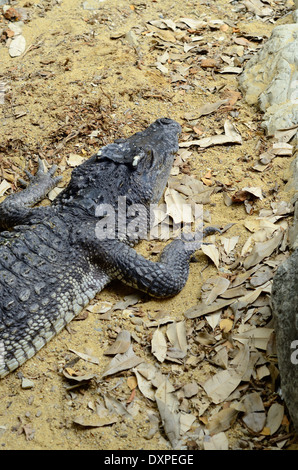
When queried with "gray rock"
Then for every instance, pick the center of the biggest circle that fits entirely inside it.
(92, 4)
(27, 383)
(270, 79)
(285, 311)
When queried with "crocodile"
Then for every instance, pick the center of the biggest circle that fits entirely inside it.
(53, 260)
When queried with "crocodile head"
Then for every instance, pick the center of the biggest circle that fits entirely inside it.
(147, 157)
(137, 167)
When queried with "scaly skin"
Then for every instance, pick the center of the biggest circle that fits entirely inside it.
(51, 261)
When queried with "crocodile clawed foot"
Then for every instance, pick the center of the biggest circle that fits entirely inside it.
(44, 180)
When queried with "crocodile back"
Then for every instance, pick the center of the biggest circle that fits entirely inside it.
(44, 282)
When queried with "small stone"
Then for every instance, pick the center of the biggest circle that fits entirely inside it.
(17, 46)
(92, 4)
(11, 14)
(27, 384)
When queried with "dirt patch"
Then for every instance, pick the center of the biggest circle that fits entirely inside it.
(90, 75)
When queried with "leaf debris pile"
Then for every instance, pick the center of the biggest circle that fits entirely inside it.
(206, 378)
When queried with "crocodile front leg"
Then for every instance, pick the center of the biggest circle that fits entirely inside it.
(17, 208)
(162, 279)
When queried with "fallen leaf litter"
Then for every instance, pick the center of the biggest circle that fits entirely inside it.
(196, 372)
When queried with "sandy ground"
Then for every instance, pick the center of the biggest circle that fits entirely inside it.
(82, 72)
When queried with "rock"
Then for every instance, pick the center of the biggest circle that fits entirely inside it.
(17, 46)
(16, 27)
(284, 304)
(11, 14)
(26, 383)
(92, 4)
(270, 79)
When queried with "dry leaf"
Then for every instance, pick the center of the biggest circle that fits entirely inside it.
(176, 332)
(230, 136)
(282, 148)
(132, 382)
(212, 252)
(159, 345)
(221, 358)
(193, 23)
(260, 336)
(177, 208)
(4, 186)
(254, 417)
(226, 325)
(204, 338)
(151, 373)
(94, 421)
(231, 69)
(86, 357)
(102, 307)
(263, 250)
(186, 421)
(216, 286)
(203, 309)
(249, 298)
(167, 404)
(190, 389)
(121, 344)
(238, 291)
(77, 376)
(274, 417)
(209, 63)
(54, 193)
(222, 420)
(213, 319)
(145, 386)
(75, 160)
(221, 385)
(205, 109)
(255, 191)
(217, 442)
(115, 406)
(229, 243)
(121, 362)
(162, 68)
(165, 35)
(163, 24)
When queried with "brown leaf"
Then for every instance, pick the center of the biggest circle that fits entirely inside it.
(77, 376)
(121, 344)
(205, 109)
(263, 250)
(212, 252)
(226, 325)
(86, 357)
(209, 63)
(167, 404)
(222, 420)
(159, 345)
(94, 421)
(274, 417)
(221, 385)
(230, 136)
(122, 362)
(176, 332)
(203, 309)
(254, 417)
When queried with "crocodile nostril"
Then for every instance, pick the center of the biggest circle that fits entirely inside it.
(165, 120)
